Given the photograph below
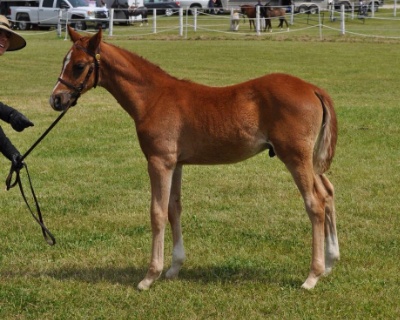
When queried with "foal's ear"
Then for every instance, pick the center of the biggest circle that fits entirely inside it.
(75, 36)
(94, 41)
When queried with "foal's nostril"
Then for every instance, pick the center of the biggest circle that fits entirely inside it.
(55, 102)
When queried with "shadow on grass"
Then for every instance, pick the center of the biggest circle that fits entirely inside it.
(241, 275)
(131, 276)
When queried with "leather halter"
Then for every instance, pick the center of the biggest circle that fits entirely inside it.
(95, 66)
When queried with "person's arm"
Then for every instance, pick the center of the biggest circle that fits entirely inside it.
(17, 120)
(7, 148)
(5, 112)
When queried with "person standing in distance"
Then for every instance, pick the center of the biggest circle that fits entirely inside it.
(11, 41)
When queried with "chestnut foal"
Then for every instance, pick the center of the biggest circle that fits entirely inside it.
(179, 122)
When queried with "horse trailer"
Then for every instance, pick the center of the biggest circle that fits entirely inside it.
(316, 6)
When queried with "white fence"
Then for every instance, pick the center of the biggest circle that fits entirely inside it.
(184, 23)
(201, 21)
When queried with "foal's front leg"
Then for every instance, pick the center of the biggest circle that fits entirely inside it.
(160, 178)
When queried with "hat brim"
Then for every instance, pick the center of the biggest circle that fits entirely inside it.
(16, 41)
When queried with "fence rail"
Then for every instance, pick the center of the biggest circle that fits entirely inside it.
(382, 24)
(342, 21)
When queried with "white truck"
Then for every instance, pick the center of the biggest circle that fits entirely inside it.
(48, 13)
(200, 5)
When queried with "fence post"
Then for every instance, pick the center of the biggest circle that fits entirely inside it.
(181, 22)
(342, 22)
(59, 24)
(292, 15)
(373, 9)
(195, 19)
(230, 20)
(66, 31)
(394, 8)
(258, 20)
(111, 23)
(320, 24)
(352, 11)
(154, 20)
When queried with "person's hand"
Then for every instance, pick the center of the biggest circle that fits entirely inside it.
(16, 162)
(19, 122)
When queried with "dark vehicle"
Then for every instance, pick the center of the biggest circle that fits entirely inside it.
(280, 3)
(167, 7)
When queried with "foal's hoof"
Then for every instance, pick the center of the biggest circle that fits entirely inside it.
(144, 285)
(172, 273)
(307, 286)
(310, 283)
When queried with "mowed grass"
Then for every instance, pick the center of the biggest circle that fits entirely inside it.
(246, 232)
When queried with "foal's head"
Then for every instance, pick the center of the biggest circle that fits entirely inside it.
(80, 71)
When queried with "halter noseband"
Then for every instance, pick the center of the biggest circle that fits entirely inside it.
(95, 66)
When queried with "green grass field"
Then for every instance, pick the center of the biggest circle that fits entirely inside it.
(246, 232)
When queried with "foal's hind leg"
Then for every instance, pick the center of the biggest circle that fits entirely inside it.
(314, 195)
(331, 239)
(174, 216)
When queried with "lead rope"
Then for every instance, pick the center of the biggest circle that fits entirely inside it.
(48, 236)
(10, 184)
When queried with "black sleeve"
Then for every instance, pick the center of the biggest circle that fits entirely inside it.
(6, 147)
(5, 112)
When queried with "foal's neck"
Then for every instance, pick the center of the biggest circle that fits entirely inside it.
(131, 79)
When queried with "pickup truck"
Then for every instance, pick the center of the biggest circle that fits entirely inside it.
(46, 14)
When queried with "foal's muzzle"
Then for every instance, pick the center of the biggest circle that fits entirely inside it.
(62, 101)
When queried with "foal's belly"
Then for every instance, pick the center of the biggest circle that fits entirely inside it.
(218, 153)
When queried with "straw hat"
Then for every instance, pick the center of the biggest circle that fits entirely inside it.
(16, 41)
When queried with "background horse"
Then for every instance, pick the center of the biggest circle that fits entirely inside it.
(269, 13)
(134, 11)
(179, 122)
(251, 13)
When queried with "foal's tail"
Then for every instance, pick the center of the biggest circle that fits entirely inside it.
(324, 148)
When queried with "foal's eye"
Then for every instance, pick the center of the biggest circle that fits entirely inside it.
(79, 66)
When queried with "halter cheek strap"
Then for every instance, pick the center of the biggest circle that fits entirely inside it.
(95, 66)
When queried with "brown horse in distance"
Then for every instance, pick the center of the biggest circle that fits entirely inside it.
(251, 13)
(179, 122)
(269, 13)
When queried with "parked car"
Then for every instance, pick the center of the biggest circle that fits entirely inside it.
(362, 7)
(167, 7)
(192, 4)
